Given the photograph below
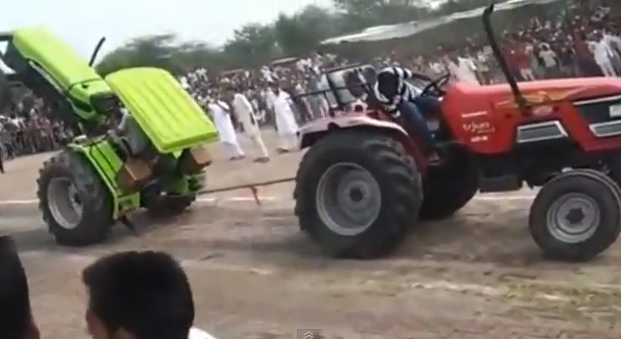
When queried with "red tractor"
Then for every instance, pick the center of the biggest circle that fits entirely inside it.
(363, 183)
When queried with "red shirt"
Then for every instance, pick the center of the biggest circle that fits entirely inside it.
(521, 58)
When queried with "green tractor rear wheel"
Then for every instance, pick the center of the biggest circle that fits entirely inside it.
(75, 203)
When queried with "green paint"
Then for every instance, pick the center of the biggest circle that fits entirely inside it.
(107, 164)
(61, 66)
(168, 115)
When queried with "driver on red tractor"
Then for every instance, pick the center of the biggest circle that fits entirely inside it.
(404, 104)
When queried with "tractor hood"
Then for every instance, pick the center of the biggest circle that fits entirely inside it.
(564, 89)
(553, 90)
(462, 98)
(169, 116)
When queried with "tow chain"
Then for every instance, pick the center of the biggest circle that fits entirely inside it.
(253, 188)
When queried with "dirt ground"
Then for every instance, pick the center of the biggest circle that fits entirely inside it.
(477, 275)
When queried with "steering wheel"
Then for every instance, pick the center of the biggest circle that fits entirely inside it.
(436, 86)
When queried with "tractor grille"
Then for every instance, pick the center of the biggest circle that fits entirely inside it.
(599, 110)
(543, 131)
(606, 129)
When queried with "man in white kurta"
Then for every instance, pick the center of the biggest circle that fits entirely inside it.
(286, 125)
(463, 69)
(221, 114)
(245, 114)
(602, 53)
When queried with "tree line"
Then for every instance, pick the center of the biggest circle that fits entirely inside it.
(288, 36)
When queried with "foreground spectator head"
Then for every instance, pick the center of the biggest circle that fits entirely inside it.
(16, 321)
(138, 295)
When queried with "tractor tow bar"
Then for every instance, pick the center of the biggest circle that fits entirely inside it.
(252, 187)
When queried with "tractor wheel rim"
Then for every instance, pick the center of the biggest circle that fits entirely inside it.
(573, 218)
(64, 202)
(348, 199)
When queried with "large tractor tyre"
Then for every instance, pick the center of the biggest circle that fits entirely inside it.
(576, 215)
(449, 191)
(357, 193)
(76, 204)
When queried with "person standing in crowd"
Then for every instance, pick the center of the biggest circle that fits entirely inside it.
(246, 117)
(614, 42)
(463, 69)
(586, 65)
(522, 61)
(549, 60)
(221, 115)
(602, 54)
(286, 125)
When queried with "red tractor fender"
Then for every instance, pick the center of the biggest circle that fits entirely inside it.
(314, 131)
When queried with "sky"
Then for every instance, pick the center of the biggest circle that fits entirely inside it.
(82, 23)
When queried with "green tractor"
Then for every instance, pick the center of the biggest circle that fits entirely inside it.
(142, 144)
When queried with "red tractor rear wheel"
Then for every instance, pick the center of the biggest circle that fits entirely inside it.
(357, 193)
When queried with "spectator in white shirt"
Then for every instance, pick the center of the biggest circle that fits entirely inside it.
(602, 54)
(549, 59)
(246, 116)
(463, 69)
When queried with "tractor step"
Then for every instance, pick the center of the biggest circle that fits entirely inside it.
(500, 184)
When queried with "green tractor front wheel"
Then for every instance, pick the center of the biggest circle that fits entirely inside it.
(176, 198)
(75, 203)
(167, 205)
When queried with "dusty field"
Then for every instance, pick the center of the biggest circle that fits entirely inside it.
(254, 275)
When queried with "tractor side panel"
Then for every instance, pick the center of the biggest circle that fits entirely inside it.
(107, 164)
(166, 112)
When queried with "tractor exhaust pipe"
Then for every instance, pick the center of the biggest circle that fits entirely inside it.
(502, 62)
(91, 62)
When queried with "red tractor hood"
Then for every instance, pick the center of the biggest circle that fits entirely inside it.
(553, 90)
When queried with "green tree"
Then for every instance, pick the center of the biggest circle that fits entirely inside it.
(289, 35)
(252, 44)
(153, 51)
(164, 51)
(300, 33)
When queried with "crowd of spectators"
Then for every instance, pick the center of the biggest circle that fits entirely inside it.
(583, 42)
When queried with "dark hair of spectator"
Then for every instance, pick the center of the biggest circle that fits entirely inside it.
(145, 293)
(15, 314)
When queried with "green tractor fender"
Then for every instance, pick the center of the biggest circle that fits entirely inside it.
(107, 164)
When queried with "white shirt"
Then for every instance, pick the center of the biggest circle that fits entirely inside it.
(613, 41)
(549, 57)
(601, 51)
(463, 71)
(243, 109)
(197, 333)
